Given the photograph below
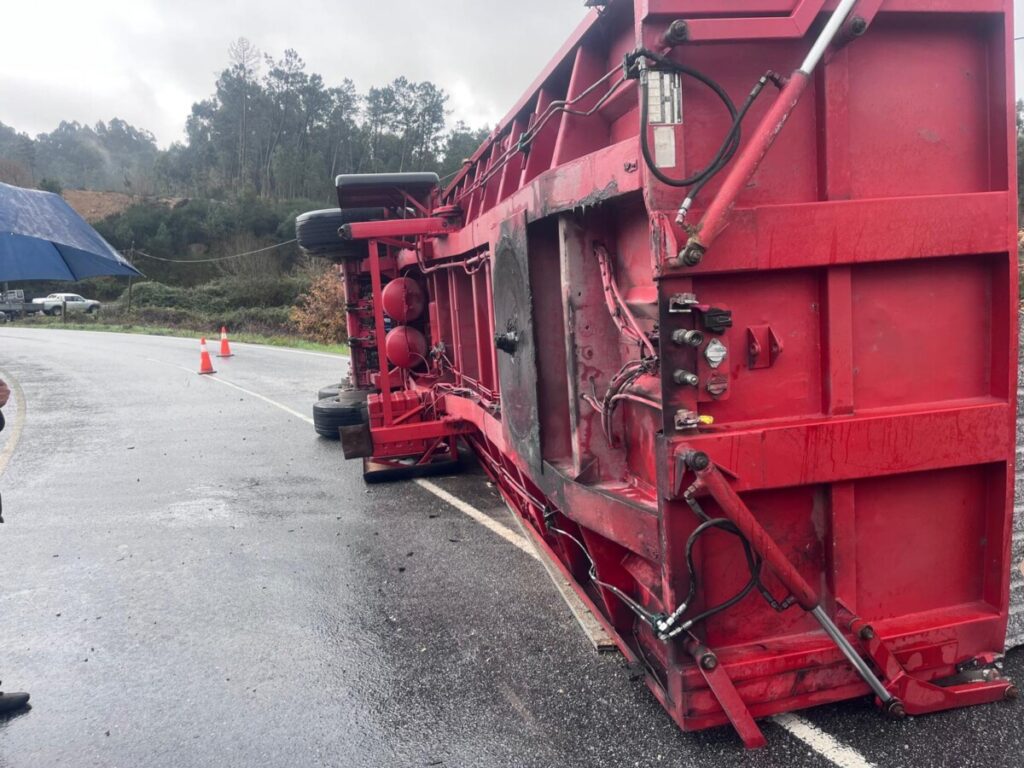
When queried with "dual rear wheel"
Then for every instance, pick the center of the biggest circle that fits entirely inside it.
(344, 407)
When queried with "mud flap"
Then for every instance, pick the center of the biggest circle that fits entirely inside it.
(356, 441)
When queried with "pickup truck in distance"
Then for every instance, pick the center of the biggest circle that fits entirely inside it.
(13, 305)
(55, 302)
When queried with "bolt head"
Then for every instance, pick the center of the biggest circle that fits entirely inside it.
(678, 32)
(698, 460)
(895, 710)
(867, 633)
(691, 255)
(709, 661)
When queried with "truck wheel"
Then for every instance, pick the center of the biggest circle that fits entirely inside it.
(331, 391)
(347, 409)
(91, 310)
(317, 231)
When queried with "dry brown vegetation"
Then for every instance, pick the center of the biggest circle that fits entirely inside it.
(94, 206)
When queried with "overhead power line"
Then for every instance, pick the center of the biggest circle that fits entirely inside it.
(216, 258)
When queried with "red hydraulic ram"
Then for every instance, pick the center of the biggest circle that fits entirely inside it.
(726, 309)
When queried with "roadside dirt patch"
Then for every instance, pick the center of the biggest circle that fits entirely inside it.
(94, 206)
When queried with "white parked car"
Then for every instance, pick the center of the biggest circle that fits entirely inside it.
(55, 302)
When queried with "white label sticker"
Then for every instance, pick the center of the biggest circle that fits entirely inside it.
(664, 146)
(664, 98)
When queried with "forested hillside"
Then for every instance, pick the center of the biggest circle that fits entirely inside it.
(262, 148)
(270, 129)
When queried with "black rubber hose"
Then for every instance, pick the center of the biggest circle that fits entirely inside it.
(734, 133)
(732, 140)
(753, 563)
(725, 152)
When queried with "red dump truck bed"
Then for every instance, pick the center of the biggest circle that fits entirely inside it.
(726, 307)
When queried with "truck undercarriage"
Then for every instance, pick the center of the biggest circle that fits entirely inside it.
(726, 308)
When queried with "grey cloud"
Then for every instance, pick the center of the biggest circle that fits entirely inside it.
(494, 48)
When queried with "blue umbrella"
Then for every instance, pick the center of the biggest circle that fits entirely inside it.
(42, 238)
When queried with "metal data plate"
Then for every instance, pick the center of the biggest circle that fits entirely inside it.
(517, 372)
(665, 112)
(664, 98)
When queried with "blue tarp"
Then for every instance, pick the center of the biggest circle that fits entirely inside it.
(42, 238)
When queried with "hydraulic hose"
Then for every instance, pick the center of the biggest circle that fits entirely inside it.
(730, 145)
(725, 152)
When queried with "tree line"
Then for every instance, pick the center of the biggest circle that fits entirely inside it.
(108, 156)
(270, 129)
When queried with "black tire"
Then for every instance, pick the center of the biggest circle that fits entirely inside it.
(345, 410)
(317, 231)
(55, 312)
(91, 310)
(332, 390)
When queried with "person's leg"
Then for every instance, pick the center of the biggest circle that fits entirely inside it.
(9, 702)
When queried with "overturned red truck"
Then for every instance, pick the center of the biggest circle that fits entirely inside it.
(726, 309)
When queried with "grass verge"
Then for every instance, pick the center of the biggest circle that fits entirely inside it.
(155, 330)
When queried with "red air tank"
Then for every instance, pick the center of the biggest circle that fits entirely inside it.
(406, 347)
(403, 300)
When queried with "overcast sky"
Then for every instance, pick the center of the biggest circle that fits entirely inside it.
(147, 61)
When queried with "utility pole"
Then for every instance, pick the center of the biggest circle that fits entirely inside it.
(131, 260)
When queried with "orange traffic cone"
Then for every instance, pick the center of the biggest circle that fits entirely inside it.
(205, 364)
(225, 348)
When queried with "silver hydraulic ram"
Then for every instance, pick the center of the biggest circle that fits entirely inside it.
(750, 157)
(712, 481)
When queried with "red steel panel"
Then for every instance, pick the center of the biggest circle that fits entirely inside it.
(843, 355)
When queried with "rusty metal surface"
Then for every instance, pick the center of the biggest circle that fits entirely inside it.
(517, 370)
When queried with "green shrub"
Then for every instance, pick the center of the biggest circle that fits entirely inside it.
(100, 288)
(168, 316)
(157, 295)
(263, 292)
(221, 295)
(268, 320)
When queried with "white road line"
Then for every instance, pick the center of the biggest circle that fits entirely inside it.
(467, 509)
(225, 382)
(823, 743)
(19, 419)
(486, 521)
(258, 396)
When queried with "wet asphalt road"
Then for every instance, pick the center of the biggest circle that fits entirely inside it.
(190, 577)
